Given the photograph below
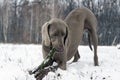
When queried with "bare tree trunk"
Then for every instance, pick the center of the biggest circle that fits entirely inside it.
(37, 23)
(5, 19)
(5, 33)
(113, 43)
(53, 9)
(31, 27)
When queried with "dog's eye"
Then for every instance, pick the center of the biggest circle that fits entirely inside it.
(63, 34)
(55, 34)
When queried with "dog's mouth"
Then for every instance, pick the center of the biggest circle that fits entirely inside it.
(59, 50)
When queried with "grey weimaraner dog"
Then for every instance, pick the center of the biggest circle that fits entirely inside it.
(65, 35)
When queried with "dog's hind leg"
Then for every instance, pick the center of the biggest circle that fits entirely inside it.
(92, 23)
(95, 43)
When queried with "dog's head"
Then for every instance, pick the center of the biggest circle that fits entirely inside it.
(55, 33)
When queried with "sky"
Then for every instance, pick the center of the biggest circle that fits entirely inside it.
(1, 0)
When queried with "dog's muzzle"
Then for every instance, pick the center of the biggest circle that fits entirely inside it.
(59, 50)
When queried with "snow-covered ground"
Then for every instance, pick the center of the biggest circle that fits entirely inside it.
(16, 60)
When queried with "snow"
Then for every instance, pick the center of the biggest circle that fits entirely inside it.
(16, 60)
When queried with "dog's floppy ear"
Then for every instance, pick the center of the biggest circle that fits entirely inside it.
(45, 34)
(65, 38)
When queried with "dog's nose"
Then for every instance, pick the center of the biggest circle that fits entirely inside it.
(60, 48)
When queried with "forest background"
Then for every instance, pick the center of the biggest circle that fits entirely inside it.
(21, 20)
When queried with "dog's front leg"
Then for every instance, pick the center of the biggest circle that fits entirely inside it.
(62, 62)
(62, 65)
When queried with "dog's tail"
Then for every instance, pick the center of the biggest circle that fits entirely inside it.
(89, 40)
